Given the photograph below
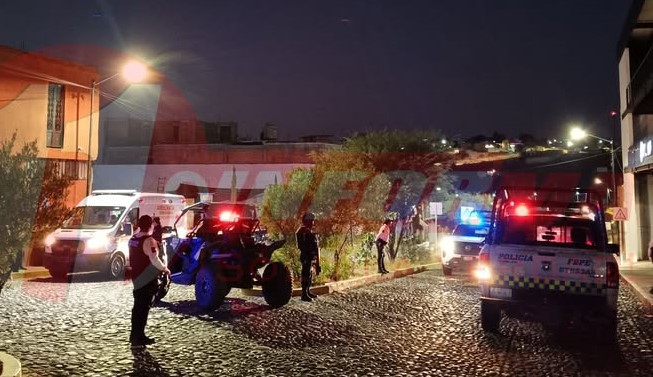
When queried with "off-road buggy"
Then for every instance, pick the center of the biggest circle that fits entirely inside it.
(219, 246)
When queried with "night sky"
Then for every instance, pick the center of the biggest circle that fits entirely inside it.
(333, 67)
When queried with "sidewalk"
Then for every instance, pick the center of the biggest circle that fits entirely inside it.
(31, 272)
(639, 275)
(339, 286)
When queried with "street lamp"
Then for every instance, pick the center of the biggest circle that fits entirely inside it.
(578, 133)
(132, 72)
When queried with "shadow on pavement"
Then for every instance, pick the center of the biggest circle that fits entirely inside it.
(145, 364)
(79, 277)
(589, 352)
(231, 309)
(286, 327)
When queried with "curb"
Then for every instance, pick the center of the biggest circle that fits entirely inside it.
(339, 286)
(644, 296)
(10, 366)
(30, 274)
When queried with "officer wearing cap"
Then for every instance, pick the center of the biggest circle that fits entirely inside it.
(145, 268)
(309, 254)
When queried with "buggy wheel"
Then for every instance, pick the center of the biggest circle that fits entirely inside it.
(163, 286)
(490, 316)
(447, 271)
(210, 288)
(277, 284)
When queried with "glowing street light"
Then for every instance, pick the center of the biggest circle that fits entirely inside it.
(578, 133)
(132, 72)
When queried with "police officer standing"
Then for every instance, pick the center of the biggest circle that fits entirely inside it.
(145, 268)
(309, 254)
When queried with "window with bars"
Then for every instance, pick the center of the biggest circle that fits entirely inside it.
(74, 169)
(55, 116)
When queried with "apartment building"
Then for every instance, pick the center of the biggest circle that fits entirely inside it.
(48, 100)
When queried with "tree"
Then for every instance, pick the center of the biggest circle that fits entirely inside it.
(31, 200)
(527, 139)
(51, 207)
(21, 173)
(341, 189)
(412, 162)
(353, 188)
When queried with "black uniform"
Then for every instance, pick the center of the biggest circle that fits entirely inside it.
(309, 251)
(144, 276)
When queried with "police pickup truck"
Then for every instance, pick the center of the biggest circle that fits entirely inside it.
(547, 259)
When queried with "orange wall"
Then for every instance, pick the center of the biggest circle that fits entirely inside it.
(23, 106)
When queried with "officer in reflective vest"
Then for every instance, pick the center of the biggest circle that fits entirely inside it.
(145, 268)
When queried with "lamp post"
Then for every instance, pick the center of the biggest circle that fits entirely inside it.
(132, 72)
(578, 133)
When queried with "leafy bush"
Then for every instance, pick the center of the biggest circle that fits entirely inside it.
(416, 253)
(31, 201)
(21, 172)
(365, 254)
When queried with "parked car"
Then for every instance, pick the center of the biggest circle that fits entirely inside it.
(460, 249)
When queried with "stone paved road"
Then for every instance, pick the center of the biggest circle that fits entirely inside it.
(421, 325)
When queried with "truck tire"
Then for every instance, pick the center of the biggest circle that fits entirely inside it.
(277, 284)
(446, 271)
(490, 316)
(210, 288)
(117, 266)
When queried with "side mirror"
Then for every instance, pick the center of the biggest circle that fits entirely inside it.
(613, 248)
(127, 229)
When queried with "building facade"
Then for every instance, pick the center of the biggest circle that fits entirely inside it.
(636, 103)
(48, 100)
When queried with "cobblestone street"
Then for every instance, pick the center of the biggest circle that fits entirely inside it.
(421, 325)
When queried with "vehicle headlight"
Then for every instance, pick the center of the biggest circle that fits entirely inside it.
(447, 245)
(49, 240)
(97, 242)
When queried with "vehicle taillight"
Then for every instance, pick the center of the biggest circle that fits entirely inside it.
(482, 271)
(612, 275)
(228, 216)
(521, 210)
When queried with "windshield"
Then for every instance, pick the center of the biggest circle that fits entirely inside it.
(93, 217)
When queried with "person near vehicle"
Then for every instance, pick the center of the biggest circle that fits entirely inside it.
(309, 254)
(382, 240)
(157, 230)
(145, 269)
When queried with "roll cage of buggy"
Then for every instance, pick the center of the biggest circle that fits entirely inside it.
(225, 248)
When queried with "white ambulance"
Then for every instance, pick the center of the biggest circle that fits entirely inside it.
(547, 259)
(94, 236)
